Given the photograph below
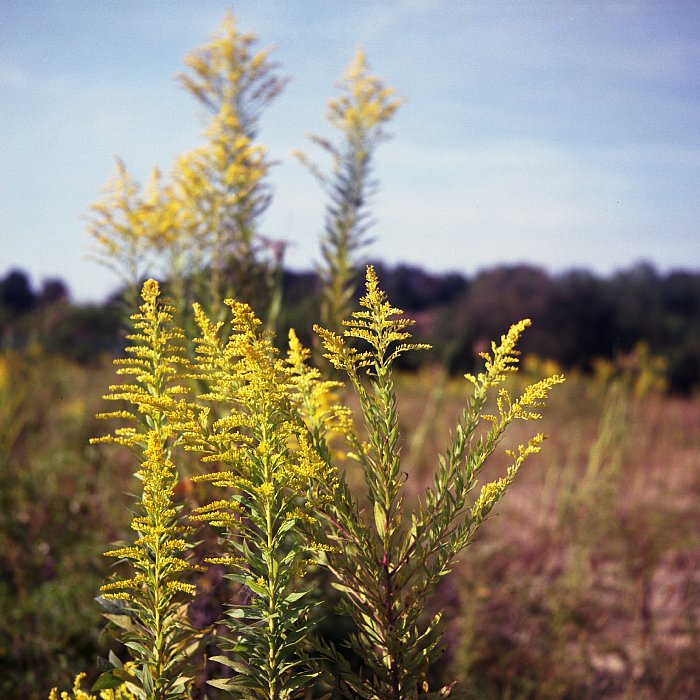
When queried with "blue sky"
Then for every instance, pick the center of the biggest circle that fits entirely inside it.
(562, 134)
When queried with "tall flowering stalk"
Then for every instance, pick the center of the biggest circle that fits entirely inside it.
(224, 183)
(388, 565)
(199, 230)
(131, 225)
(152, 599)
(360, 114)
(268, 426)
(274, 482)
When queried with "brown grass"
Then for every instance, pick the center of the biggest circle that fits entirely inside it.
(587, 581)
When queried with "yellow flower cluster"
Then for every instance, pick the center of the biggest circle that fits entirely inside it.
(157, 529)
(502, 361)
(367, 103)
(155, 360)
(490, 493)
(154, 364)
(259, 437)
(131, 224)
(317, 399)
(205, 214)
(382, 326)
(77, 693)
(226, 71)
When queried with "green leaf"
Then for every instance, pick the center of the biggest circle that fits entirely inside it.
(123, 621)
(114, 659)
(296, 595)
(301, 680)
(146, 680)
(237, 666)
(380, 520)
(229, 684)
(106, 681)
(138, 647)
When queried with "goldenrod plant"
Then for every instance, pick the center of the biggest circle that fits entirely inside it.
(149, 605)
(272, 443)
(360, 114)
(131, 225)
(225, 181)
(388, 564)
(274, 437)
(229, 73)
(199, 230)
(274, 483)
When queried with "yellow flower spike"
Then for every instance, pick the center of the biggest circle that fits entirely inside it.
(366, 104)
(157, 556)
(490, 493)
(120, 229)
(227, 560)
(381, 326)
(179, 586)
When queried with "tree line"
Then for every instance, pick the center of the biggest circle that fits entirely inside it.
(578, 317)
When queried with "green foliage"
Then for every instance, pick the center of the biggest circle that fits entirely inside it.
(388, 567)
(53, 510)
(579, 317)
(273, 480)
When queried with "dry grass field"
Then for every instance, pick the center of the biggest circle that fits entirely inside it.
(586, 582)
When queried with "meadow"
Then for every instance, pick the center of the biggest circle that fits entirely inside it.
(339, 520)
(584, 583)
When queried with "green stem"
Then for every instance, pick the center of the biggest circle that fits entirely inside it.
(273, 693)
(272, 605)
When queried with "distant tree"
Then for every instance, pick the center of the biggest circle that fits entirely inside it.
(639, 313)
(578, 322)
(488, 305)
(681, 294)
(53, 291)
(680, 301)
(414, 289)
(16, 295)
